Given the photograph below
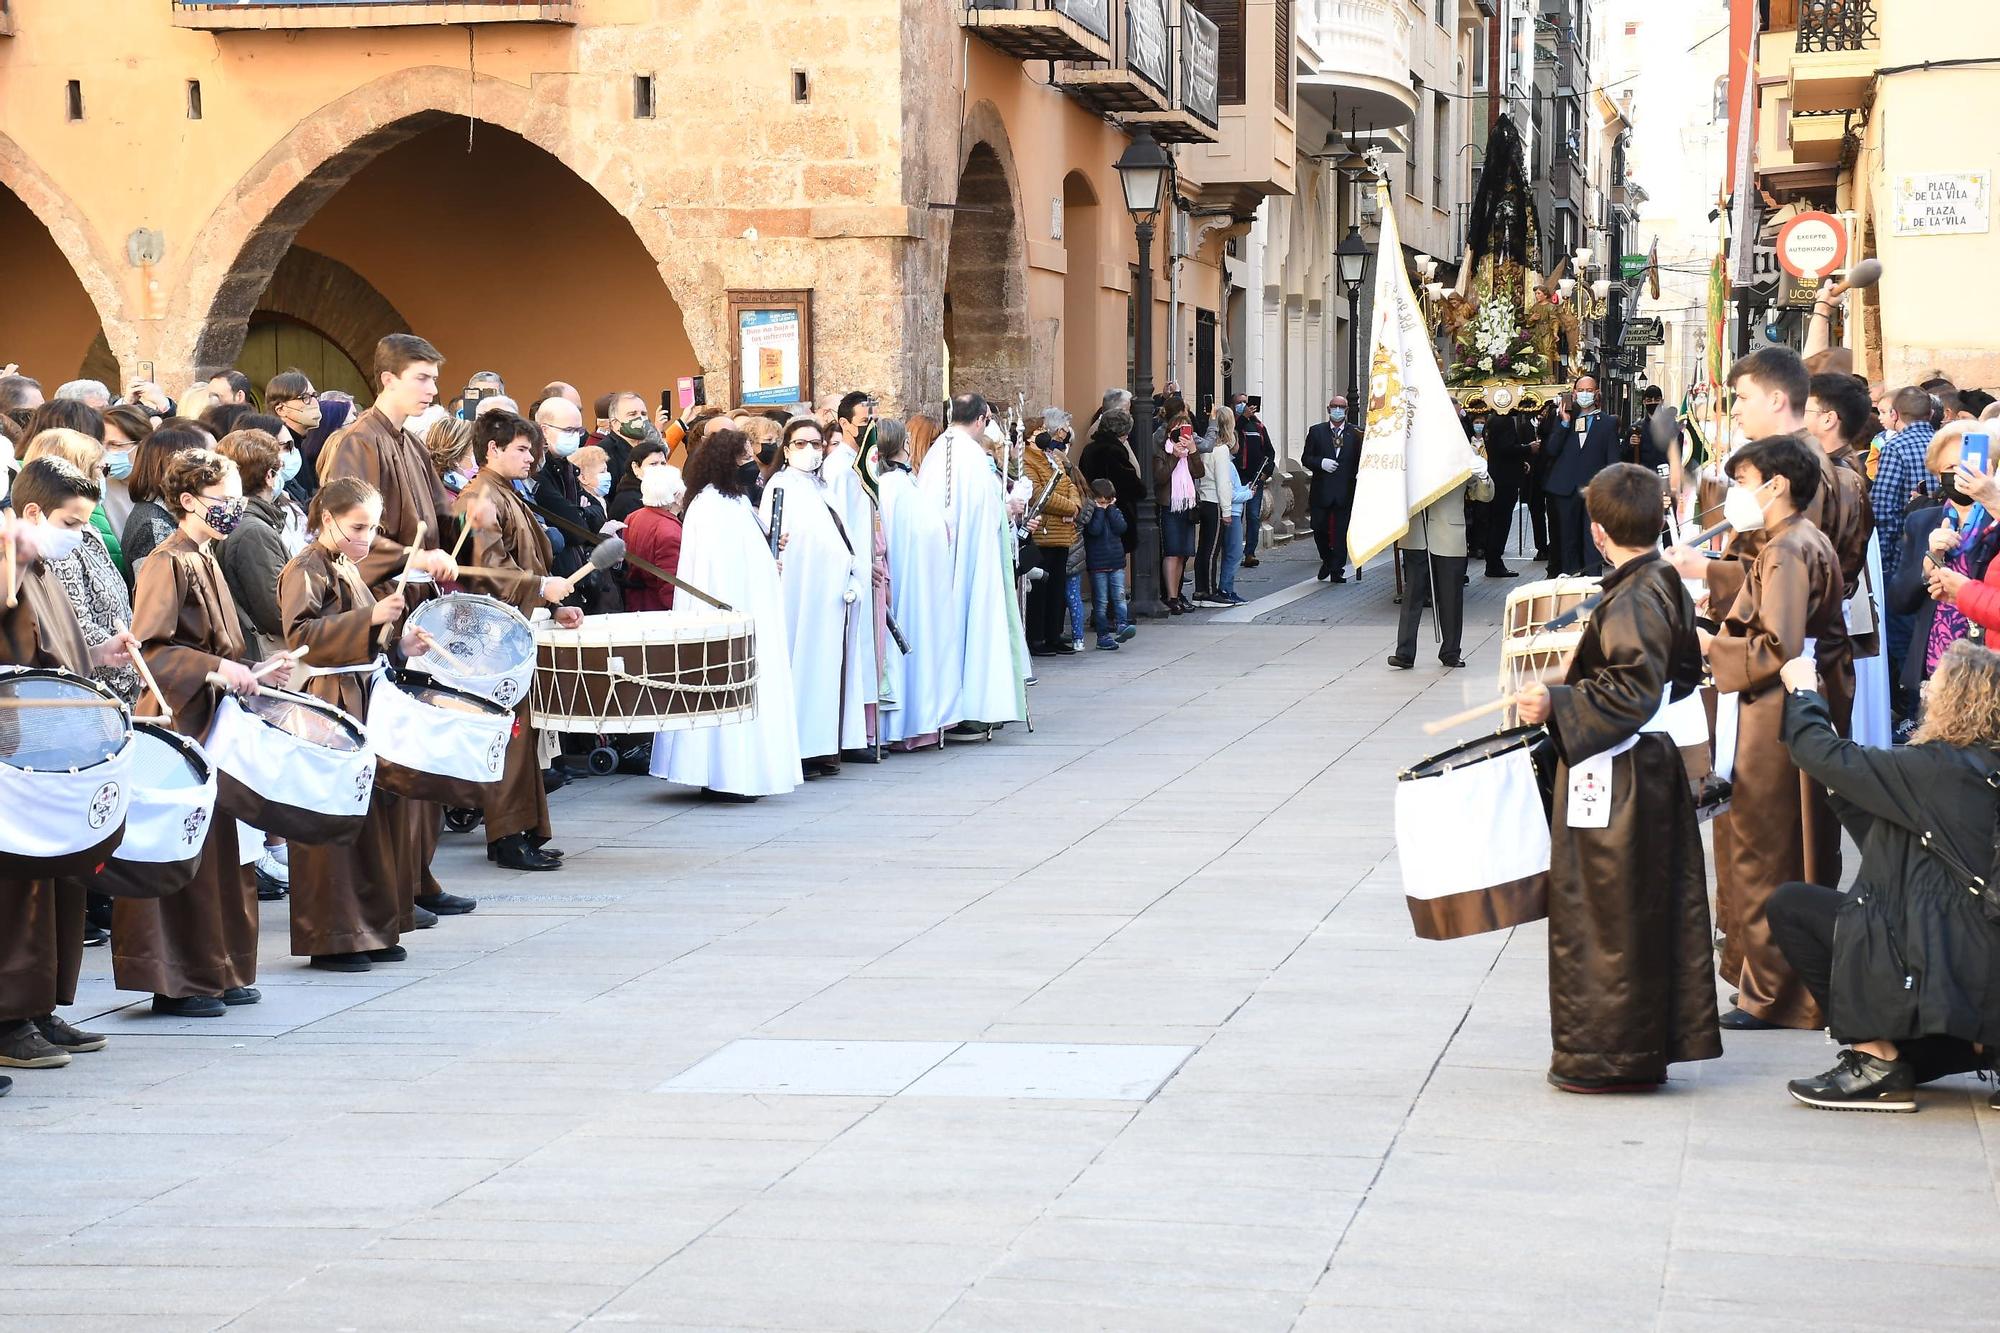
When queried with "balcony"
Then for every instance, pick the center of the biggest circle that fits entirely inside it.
(1042, 29)
(1196, 111)
(1818, 136)
(296, 14)
(1361, 61)
(1137, 75)
(1833, 66)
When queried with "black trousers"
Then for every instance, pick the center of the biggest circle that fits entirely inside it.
(1576, 553)
(1448, 594)
(1538, 515)
(1207, 546)
(1322, 530)
(1048, 601)
(1500, 519)
(1801, 917)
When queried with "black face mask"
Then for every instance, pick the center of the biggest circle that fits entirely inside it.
(747, 474)
(1948, 489)
(767, 454)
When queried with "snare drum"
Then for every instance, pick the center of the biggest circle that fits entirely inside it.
(485, 646)
(435, 743)
(643, 671)
(292, 765)
(173, 801)
(65, 772)
(1472, 834)
(1529, 653)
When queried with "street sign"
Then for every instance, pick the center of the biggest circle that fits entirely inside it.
(1812, 245)
(1645, 331)
(1631, 266)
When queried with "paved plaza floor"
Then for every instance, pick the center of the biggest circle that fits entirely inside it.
(1118, 1024)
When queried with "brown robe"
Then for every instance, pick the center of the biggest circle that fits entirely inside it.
(356, 897)
(1841, 510)
(1630, 980)
(1779, 827)
(41, 921)
(520, 802)
(202, 940)
(395, 464)
(1852, 477)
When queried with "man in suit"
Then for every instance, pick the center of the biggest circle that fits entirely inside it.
(1333, 456)
(1505, 440)
(1582, 442)
(1433, 552)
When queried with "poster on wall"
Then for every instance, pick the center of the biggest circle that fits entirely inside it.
(1944, 203)
(1146, 44)
(773, 349)
(1094, 15)
(1201, 54)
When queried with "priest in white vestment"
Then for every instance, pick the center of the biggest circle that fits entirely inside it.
(822, 596)
(924, 680)
(860, 722)
(959, 475)
(726, 553)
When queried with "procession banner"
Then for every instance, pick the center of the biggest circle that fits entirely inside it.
(1414, 451)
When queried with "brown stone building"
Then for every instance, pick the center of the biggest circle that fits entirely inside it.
(606, 190)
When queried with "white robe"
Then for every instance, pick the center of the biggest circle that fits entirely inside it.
(817, 572)
(1871, 725)
(724, 552)
(959, 475)
(857, 512)
(920, 596)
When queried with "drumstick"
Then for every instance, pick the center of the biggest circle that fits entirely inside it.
(464, 531)
(289, 655)
(409, 563)
(60, 703)
(146, 675)
(495, 572)
(1470, 714)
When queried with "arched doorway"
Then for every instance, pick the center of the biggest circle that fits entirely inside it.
(497, 252)
(48, 324)
(1082, 294)
(986, 285)
(278, 342)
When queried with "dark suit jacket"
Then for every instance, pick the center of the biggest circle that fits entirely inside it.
(1573, 461)
(1336, 488)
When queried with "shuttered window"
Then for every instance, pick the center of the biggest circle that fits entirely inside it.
(1227, 15)
(1282, 85)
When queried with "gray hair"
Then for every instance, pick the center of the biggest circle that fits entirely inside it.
(1117, 398)
(1055, 419)
(1115, 421)
(891, 442)
(92, 392)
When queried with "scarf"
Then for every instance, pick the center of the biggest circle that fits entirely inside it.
(1181, 488)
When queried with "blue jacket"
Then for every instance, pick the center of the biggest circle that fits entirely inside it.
(1103, 538)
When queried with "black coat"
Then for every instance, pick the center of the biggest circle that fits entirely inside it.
(1572, 462)
(1913, 953)
(1337, 488)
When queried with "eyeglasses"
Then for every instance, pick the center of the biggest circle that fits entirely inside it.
(309, 396)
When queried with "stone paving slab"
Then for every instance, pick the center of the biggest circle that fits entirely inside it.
(1200, 1075)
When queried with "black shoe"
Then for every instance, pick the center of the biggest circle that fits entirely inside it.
(450, 904)
(513, 853)
(98, 913)
(1590, 1085)
(22, 1046)
(554, 779)
(1039, 651)
(969, 731)
(341, 962)
(270, 890)
(422, 918)
(1324, 573)
(1741, 1020)
(539, 844)
(1251, 562)
(236, 995)
(1063, 649)
(1500, 572)
(867, 756)
(1338, 576)
(821, 768)
(727, 797)
(1859, 1083)
(1400, 663)
(6, 1085)
(189, 1006)
(394, 953)
(58, 1033)
(1453, 663)
(94, 935)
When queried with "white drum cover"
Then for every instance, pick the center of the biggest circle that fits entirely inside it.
(1473, 827)
(283, 769)
(471, 747)
(56, 813)
(172, 804)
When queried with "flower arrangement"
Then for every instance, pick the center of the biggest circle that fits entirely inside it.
(1495, 346)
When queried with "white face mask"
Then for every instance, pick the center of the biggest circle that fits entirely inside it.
(1741, 510)
(58, 543)
(806, 457)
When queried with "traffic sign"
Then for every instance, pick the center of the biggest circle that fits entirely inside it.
(1812, 245)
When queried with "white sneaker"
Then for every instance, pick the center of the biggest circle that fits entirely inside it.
(274, 868)
(1076, 644)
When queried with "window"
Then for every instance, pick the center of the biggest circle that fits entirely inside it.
(1479, 57)
(1227, 15)
(194, 99)
(1440, 151)
(1442, 13)
(1282, 13)
(73, 99)
(642, 97)
(1415, 158)
(801, 87)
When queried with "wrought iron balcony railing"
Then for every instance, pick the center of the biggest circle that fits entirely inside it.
(1836, 25)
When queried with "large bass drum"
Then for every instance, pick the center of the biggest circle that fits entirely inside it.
(65, 773)
(646, 671)
(1472, 834)
(485, 647)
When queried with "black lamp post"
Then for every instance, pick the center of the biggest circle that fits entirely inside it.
(1142, 172)
(1352, 257)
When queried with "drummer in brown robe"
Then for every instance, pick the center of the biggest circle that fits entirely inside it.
(376, 449)
(349, 903)
(1630, 985)
(1779, 827)
(508, 448)
(41, 921)
(196, 950)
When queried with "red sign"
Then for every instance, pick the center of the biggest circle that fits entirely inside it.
(1812, 245)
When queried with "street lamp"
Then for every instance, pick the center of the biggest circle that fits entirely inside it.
(1352, 258)
(1142, 174)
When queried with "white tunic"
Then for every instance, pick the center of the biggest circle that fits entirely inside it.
(816, 572)
(920, 596)
(857, 513)
(959, 476)
(724, 552)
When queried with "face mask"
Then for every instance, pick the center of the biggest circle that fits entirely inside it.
(223, 515)
(567, 442)
(1337, 415)
(308, 415)
(747, 474)
(806, 458)
(1056, 446)
(635, 429)
(289, 468)
(118, 466)
(1948, 489)
(354, 548)
(58, 543)
(1586, 399)
(1741, 509)
(767, 454)
(603, 486)
(453, 481)
(1478, 428)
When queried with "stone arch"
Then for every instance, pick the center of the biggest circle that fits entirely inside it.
(326, 295)
(239, 248)
(986, 270)
(81, 248)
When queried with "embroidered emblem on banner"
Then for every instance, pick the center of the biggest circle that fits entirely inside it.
(102, 804)
(192, 826)
(504, 692)
(496, 756)
(363, 781)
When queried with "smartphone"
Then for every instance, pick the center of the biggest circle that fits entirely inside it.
(146, 371)
(666, 400)
(1977, 452)
(1256, 402)
(700, 390)
(685, 388)
(468, 403)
